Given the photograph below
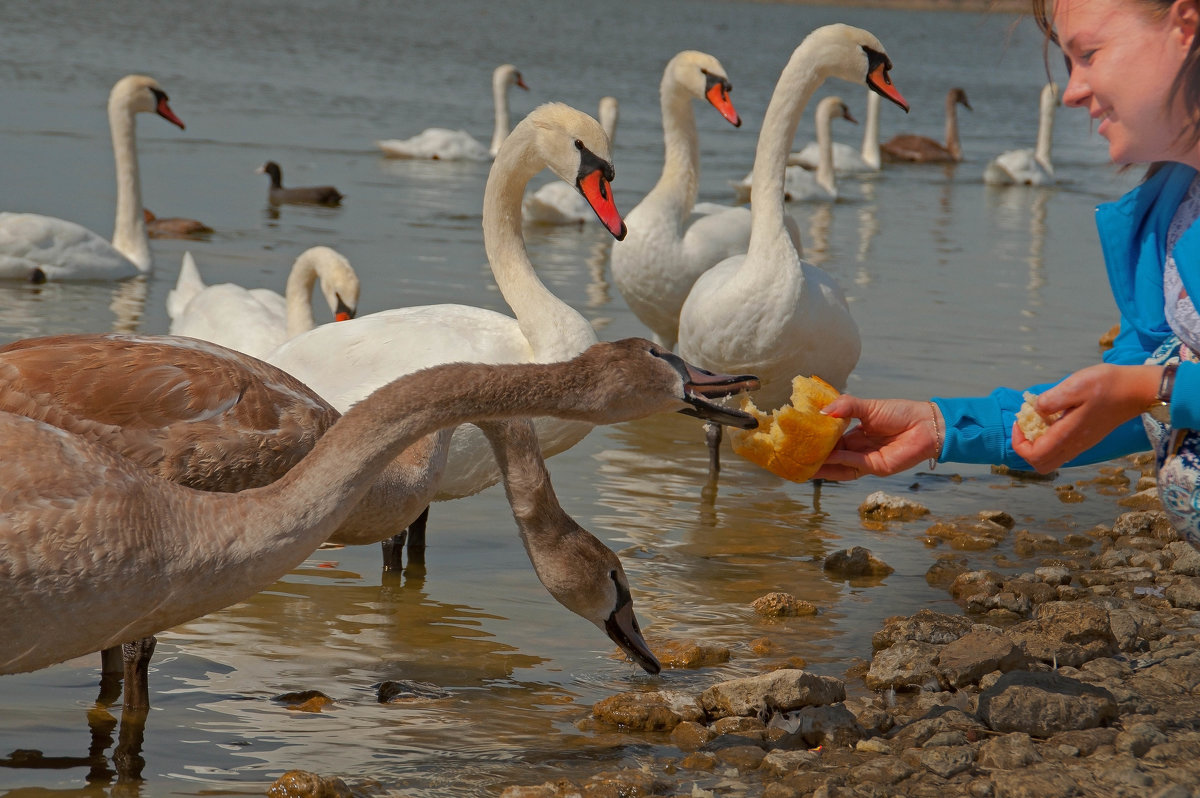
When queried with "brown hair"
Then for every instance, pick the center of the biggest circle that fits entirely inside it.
(1187, 81)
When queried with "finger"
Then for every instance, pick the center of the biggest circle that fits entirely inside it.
(844, 406)
(837, 473)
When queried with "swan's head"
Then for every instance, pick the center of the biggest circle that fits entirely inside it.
(507, 75)
(634, 377)
(585, 576)
(854, 55)
(339, 282)
(575, 147)
(703, 77)
(138, 94)
(834, 108)
(959, 95)
(1051, 97)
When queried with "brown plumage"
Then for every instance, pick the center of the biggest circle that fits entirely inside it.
(909, 147)
(174, 227)
(95, 549)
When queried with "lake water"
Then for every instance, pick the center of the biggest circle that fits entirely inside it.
(957, 287)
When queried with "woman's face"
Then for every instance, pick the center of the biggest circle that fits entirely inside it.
(1123, 60)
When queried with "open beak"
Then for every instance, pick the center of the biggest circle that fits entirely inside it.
(593, 183)
(622, 628)
(163, 109)
(701, 385)
(880, 82)
(344, 312)
(717, 93)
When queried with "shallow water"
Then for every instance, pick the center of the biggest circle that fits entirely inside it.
(957, 287)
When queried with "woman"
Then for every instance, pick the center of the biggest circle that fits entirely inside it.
(1134, 65)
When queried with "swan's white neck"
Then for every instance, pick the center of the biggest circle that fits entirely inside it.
(1045, 136)
(870, 143)
(129, 230)
(799, 79)
(953, 145)
(679, 184)
(546, 321)
(307, 269)
(500, 126)
(825, 175)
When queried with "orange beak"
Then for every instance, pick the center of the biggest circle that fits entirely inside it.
(164, 110)
(598, 192)
(719, 97)
(881, 83)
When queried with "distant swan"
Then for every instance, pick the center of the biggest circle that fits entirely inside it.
(557, 203)
(799, 184)
(38, 248)
(159, 554)
(846, 159)
(174, 226)
(443, 144)
(768, 310)
(667, 247)
(256, 321)
(1029, 167)
(910, 147)
(303, 195)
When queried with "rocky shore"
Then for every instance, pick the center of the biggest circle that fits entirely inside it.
(1074, 673)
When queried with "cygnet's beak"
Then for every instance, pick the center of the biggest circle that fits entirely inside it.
(622, 628)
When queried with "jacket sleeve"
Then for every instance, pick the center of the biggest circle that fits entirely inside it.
(979, 430)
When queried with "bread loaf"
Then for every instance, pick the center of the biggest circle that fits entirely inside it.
(794, 440)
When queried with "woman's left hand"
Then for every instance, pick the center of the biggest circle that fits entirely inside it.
(1093, 402)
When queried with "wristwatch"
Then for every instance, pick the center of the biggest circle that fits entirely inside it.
(1160, 411)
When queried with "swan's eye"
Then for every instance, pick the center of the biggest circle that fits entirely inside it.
(578, 144)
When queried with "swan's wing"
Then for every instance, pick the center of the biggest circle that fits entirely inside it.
(437, 143)
(717, 235)
(59, 248)
(187, 286)
(556, 203)
(345, 361)
(250, 321)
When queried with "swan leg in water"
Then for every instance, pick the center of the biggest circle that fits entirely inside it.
(712, 433)
(132, 661)
(412, 538)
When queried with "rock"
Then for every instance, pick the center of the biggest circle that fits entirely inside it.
(1185, 594)
(906, 664)
(948, 761)
(966, 660)
(1015, 750)
(659, 711)
(403, 691)
(779, 691)
(687, 654)
(923, 626)
(946, 569)
(881, 506)
(1041, 782)
(1186, 559)
(742, 757)
(830, 726)
(976, 583)
(741, 727)
(856, 562)
(1139, 738)
(303, 784)
(780, 762)
(1041, 704)
(304, 701)
(689, 735)
(1067, 633)
(776, 605)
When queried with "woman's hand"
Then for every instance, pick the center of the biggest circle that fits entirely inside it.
(893, 435)
(1093, 402)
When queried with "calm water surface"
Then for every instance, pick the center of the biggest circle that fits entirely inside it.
(957, 288)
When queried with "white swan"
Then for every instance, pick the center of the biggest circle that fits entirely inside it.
(346, 361)
(799, 184)
(1029, 167)
(667, 248)
(913, 148)
(96, 550)
(37, 248)
(557, 203)
(769, 311)
(443, 144)
(257, 320)
(846, 159)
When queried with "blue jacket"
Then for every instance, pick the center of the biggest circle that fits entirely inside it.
(1133, 232)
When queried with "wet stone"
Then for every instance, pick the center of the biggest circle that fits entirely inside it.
(404, 691)
(948, 761)
(657, 711)
(923, 626)
(778, 605)
(688, 654)
(779, 691)
(1041, 704)
(304, 701)
(881, 506)
(303, 784)
(856, 562)
(907, 664)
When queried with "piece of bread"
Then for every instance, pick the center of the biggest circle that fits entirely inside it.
(794, 440)
(1031, 422)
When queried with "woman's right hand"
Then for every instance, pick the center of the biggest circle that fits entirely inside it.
(893, 435)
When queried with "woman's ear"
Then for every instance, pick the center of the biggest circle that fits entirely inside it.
(1186, 15)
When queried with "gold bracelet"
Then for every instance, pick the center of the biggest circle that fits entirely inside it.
(937, 436)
